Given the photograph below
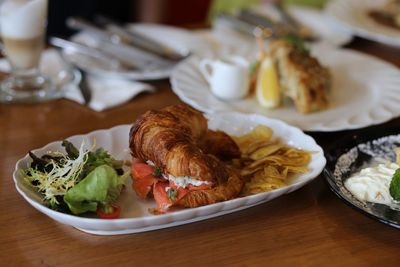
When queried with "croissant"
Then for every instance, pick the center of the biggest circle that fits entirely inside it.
(220, 145)
(177, 141)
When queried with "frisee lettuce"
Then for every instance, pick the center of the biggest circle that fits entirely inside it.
(55, 173)
(63, 174)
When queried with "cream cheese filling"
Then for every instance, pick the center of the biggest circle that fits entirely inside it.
(181, 181)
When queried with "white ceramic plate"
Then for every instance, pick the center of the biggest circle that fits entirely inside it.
(353, 15)
(181, 40)
(365, 91)
(135, 216)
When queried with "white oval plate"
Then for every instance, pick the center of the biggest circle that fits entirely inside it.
(135, 215)
(179, 39)
(365, 91)
(353, 16)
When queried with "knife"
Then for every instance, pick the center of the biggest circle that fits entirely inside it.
(114, 55)
(82, 24)
(137, 39)
(83, 49)
(117, 33)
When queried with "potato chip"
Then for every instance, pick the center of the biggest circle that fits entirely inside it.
(263, 182)
(265, 151)
(255, 145)
(267, 163)
(259, 133)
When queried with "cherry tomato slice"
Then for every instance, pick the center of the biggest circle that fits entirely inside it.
(109, 211)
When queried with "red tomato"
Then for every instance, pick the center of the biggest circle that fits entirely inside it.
(110, 211)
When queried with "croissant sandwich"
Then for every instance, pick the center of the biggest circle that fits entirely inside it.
(179, 161)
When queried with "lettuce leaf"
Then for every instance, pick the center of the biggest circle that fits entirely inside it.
(101, 185)
(394, 188)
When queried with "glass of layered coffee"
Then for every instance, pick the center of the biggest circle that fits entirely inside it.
(23, 28)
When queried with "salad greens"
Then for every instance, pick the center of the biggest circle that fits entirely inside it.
(78, 181)
(102, 185)
(394, 187)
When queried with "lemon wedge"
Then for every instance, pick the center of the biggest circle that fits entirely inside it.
(268, 91)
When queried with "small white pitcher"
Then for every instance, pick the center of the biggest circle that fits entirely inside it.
(228, 77)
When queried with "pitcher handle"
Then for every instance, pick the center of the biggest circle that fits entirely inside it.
(205, 67)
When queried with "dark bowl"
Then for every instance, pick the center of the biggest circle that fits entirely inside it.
(353, 152)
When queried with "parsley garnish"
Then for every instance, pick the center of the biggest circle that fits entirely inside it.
(156, 172)
(172, 194)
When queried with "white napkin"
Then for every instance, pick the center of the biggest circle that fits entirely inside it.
(105, 92)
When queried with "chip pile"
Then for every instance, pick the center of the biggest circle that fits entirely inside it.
(267, 163)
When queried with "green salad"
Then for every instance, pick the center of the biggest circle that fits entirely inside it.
(78, 181)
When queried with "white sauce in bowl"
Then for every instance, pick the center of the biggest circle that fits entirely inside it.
(372, 183)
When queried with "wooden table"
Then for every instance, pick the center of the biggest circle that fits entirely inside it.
(310, 227)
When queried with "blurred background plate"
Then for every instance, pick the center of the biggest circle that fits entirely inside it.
(325, 29)
(365, 91)
(353, 15)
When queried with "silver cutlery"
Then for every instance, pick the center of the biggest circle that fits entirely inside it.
(118, 34)
(116, 56)
(85, 50)
(142, 42)
(131, 55)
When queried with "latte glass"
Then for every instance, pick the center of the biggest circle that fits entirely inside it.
(23, 29)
